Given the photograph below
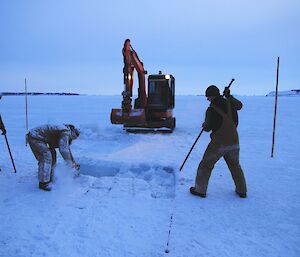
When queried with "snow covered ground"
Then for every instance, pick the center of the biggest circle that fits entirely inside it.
(293, 92)
(130, 185)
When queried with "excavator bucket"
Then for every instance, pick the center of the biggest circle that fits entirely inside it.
(135, 116)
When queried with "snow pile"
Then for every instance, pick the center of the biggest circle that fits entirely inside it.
(130, 185)
(293, 92)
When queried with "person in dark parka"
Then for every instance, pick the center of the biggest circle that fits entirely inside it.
(2, 127)
(222, 120)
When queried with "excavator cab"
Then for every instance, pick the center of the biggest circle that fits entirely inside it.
(161, 92)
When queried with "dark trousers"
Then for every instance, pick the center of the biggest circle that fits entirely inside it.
(211, 156)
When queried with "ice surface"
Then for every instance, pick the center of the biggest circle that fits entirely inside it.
(130, 184)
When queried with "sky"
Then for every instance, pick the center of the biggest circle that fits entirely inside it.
(76, 46)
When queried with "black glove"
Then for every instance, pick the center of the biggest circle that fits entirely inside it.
(226, 92)
(3, 131)
(204, 126)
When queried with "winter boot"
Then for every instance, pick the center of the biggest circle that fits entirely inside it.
(194, 192)
(242, 195)
(45, 186)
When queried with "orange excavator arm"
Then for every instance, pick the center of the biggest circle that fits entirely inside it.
(131, 62)
(128, 67)
(127, 114)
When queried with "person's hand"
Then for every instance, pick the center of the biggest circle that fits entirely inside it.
(226, 92)
(3, 131)
(76, 166)
(203, 124)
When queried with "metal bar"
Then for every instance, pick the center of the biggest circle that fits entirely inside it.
(275, 109)
(12, 160)
(191, 150)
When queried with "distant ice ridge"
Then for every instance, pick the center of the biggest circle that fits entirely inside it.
(293, 92)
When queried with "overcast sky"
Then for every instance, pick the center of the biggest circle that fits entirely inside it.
(75, 46)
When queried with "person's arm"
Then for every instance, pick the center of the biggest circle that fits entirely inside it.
(64, 149)
(237, 104)
(207, 125)
(2, 127)
(233, 101)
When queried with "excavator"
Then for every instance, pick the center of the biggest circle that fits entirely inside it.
(151, 112)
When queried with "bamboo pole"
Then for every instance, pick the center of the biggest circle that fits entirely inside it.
(26, 105)
(275, 109)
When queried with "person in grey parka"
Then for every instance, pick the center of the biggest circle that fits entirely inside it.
(43, 140)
